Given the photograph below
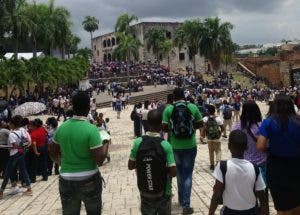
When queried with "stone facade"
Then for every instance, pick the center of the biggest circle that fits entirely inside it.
(104, 45)
(280, 71)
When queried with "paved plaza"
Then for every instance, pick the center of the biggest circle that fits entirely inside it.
(120, 194)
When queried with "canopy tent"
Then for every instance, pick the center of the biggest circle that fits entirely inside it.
(25, 55)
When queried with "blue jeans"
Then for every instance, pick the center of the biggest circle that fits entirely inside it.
(14, 161)
(185, 160)
(89, 191)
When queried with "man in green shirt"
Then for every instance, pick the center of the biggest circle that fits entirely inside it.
(157, 203)
(78, 148)
(184, 147)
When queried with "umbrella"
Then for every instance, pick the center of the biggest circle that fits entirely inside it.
(29, 108)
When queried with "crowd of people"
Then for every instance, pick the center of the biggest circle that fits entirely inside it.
(264, 152)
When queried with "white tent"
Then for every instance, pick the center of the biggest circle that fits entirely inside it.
(25, 55)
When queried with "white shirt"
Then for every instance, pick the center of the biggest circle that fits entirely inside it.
(15, 137)
(239, 184)
(145, 114)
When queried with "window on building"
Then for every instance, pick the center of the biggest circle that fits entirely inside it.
(104, 43)
(108, 43)
(95, 47)
(169, 35)
(181, 56)
(190, 57)
(98, 53)
(113, 41)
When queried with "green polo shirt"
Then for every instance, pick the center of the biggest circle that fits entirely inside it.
(181, 143)
(76, 138)
(169, 156)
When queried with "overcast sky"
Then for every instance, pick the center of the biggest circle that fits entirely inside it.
(255, 21)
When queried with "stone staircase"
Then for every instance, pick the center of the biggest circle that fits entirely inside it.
(162, 95)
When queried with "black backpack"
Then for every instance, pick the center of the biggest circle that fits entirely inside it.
(182, 121)
(223, 168)
(133, 115)
(151, 166)
(227, 113)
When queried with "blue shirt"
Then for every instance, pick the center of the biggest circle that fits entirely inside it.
(283, 143)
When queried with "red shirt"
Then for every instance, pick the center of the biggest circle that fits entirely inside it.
(39, 136)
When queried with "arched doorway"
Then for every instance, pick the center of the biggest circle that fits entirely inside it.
(113, 41)
(108, 43)
(104, 43)
(105, 58)
(109, 57)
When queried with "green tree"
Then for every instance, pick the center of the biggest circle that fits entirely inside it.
(85, 53)
(189, 34)
(17, 75)
(2, 21)
(128, 47)
(16, 22)
(215, 39)
(72, 44)
(56, 28)
(36, 15)
(90, 24)
(155, 37)
(123, 23)
(167, 49)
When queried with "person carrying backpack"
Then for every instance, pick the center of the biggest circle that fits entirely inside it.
(181, 120)
(153, 159)
(238, 182)
(227, 116)
(213, 127)
(237, 109)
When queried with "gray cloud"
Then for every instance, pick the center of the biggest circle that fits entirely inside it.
(255, 21)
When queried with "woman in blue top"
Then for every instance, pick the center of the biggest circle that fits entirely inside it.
(280, 136)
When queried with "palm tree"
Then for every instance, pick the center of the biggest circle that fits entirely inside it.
(2, 21)
(155, 37)
(123, 23)
(17, 23)
(56, 27)
(90, 24)
(72, 44)
(36, 15)
(166, 50)
(215, 38)
(189, 34)
(128, 47)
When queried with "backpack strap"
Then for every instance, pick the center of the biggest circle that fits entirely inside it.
(223, 168)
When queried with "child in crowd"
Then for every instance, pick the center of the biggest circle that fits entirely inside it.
(238, 182)
(213, 126)
(153, 159)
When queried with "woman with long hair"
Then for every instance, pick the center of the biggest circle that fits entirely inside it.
(280, 137)
(250, 121)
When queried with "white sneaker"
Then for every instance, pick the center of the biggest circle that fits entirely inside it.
(14, 191)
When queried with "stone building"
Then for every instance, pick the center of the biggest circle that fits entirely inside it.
(280, 71)
(104, 45)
